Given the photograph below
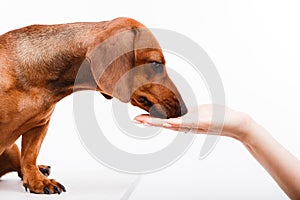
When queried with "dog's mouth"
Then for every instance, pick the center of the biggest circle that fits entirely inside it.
(159, 110)
(145, 104)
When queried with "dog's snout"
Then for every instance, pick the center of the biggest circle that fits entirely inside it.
(163, 110)
(164, 104)
(158, 111)
(179, 109)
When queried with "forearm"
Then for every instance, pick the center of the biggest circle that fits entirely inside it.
(281, 165)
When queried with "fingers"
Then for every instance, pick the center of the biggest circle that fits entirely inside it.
(141, 118)
(184, 123)
(175, 124)
(150, 121)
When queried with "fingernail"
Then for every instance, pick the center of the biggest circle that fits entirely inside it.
(167, 125)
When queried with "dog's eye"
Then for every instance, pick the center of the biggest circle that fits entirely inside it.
(145, 101)
(157, 67)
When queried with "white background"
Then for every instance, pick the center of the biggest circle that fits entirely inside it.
(255, 46)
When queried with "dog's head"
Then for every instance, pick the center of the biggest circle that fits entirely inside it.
(129, 64)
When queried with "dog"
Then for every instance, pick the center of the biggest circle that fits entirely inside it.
(39, 66)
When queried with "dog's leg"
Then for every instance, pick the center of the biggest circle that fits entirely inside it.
(10, 160)
(33, 179)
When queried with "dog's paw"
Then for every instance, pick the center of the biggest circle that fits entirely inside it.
(45, 170)
(43, 185)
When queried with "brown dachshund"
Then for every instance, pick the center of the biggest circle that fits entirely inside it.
(39, 66)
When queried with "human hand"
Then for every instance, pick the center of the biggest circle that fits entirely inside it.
(216, 119)
(200, 120)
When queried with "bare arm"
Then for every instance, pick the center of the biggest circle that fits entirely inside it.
(280, 164)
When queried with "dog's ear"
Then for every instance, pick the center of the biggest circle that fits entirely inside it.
(85, 79)
(110, 61)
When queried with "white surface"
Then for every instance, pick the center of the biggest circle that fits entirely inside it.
(255, 46)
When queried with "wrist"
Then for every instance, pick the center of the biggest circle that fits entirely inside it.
(246, 128)
(251, 132)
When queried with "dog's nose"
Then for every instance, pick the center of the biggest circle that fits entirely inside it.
(183, 109)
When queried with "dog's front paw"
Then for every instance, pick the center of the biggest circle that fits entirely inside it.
(39, 184)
